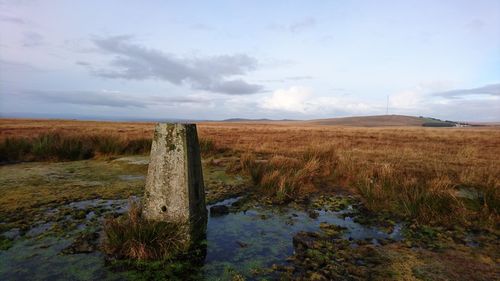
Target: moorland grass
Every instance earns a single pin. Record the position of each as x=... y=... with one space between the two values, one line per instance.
x=413 y=173
x=283 y=178
x=57 y=146
x=132 y=237
x=64 y=146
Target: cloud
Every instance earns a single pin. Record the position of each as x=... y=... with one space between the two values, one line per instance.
x=13 y=66
x=468 y=110
x=409 y=99
x=233 y=87
x=32 y=39
x=418 y=96
x=214 y=74
x=297 y=99
x=489 y=90
x=84 y=63
x=430 y=99
x=295 y=78
x=292 y=99
x=290 y=78
x=10 y=19
x=107 y=98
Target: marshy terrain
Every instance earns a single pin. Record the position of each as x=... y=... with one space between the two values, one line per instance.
x=288 y=200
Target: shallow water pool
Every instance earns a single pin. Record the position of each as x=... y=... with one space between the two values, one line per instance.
x=241 y=241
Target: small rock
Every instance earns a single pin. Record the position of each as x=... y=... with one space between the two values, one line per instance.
x=304 y=240
x=242 y=244
x=237 y=203
x=331 y=229
x=360 y=262
x=313 y=214
x=219 y=210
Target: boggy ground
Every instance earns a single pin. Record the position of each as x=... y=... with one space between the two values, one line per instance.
x=440 y=186
x=52 y=215
x=319 y=234
x=30 y=189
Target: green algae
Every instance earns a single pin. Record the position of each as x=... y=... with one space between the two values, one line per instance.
x=332 y=203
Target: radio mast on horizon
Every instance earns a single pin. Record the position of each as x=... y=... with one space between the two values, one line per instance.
x=387 y=108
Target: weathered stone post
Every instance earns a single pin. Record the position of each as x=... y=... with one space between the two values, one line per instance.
x=174 y=185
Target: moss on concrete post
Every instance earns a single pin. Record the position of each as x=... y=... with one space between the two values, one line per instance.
x=174 y=185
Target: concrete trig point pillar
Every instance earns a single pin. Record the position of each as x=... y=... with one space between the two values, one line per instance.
x=174 y=185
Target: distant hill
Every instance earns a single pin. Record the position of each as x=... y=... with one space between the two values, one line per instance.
x=361 y=121
x=383 y=120
x=254 y=120
x=245 y=120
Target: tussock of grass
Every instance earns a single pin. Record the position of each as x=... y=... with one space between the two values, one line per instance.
x=133 y=237
x=210 y=147
x=426 y=200
x=285 y=177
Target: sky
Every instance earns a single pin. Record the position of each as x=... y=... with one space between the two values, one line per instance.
x=250 y=59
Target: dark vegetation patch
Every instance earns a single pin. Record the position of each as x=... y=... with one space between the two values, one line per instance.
x=438 y=124
x=64 y=146
x=57 y=146
x=325 y=257
x=5 y=243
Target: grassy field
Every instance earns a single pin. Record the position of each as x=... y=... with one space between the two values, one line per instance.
x=431 y=175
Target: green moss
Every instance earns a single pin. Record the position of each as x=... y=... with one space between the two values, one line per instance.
x=157 y=270
x=5 y=243
x=332 y=203
x=331 y=230
x=29 y=188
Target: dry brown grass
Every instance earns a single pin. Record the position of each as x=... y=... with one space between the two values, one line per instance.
x=410 y=171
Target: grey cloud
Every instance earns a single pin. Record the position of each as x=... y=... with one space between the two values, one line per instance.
x=492 y=90
x=135 y=62
x=83 y=63
x=235 y=87
x=13 y=66
x=290 y=78
x=105 y=98
x=10 y=19
x=469 y=110
x=178 y=100
x=32 y=39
